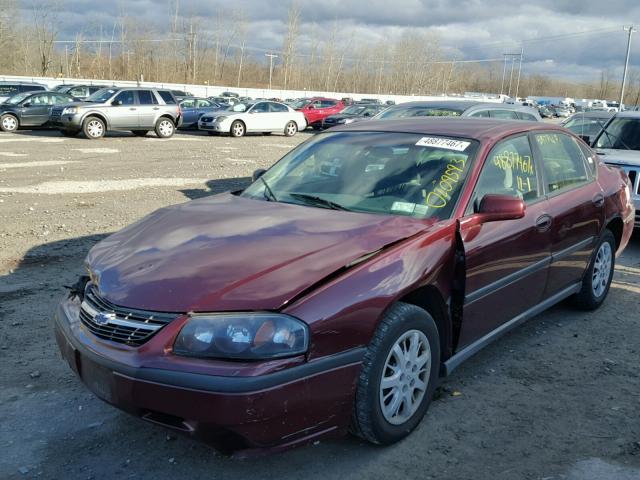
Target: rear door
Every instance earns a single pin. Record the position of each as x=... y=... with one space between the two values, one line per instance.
x=576 y=206
x=123 y=112
x=279 y=116
x=506 y=262
x=148 y=108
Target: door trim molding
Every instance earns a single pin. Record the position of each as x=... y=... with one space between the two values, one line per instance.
x=572 y=249
x=467 y=352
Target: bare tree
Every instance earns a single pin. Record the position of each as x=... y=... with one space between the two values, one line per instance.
x=290 y=42
x=45 y=23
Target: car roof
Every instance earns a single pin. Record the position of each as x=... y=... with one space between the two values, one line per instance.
x=593 y=114
x=475 y=128
x=453 y=104
x=628 y=114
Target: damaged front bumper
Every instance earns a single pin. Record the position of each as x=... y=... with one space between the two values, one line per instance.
x=235 y=413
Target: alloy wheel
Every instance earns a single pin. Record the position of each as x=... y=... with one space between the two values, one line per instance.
x=165 y=128
x=602 y=269
x=405 y=376
x=9 y=123
x=291 y=129
x=95 y=129
x=238 y=129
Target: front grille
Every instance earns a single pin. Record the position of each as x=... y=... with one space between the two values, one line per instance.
x=119 y=324
x=207 y=119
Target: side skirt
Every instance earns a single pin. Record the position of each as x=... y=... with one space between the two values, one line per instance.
x=470 y=350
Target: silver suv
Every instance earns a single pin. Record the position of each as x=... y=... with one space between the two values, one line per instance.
x=136 y=109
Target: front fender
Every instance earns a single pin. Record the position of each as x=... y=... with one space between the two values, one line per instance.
x=344 y=312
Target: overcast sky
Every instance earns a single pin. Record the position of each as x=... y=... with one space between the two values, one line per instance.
x=468 y=29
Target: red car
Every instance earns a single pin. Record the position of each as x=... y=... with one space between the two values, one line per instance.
x=317 y=109
x=336 y=290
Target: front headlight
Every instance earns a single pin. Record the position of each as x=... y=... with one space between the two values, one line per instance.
x=348 y=121
x=70 y=111
x=219 y=119
x=242 y=336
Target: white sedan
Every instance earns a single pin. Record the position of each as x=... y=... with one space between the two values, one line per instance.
x=264 y=117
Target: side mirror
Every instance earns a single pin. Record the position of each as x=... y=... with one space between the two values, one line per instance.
x=494 y=208
x=367 y=114
x=257 y=174
x=116 y=103
x=26 y=104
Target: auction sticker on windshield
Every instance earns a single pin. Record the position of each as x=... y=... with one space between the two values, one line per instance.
x=446 y=143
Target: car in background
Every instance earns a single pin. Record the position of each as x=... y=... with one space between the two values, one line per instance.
x=30 y=109
x=354 y=113
x=336 y=291
x=225 y=100
x=316 y=109
x=230 y=94
x=545 y=111
x=460 y=108
x=8 y=89
x=604 y=106
x=80 y=91
x=618 y=145
x=131 y=108
x=193 y=108
x=259 y=117
x=370 y=100
x=587 y=125
x=560 y=111
x=180 y=95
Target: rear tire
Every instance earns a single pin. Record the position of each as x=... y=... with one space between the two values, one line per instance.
x=140 y=133
x=94 y=128
x=9 y=123
x=399 y=375
x=165 y=128
x=237 y=129
x=290 y=129
x=597 y=279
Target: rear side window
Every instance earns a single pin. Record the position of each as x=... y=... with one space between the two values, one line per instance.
x=9 y=89
x=78 y=92
x=564 y=164
x=504 y=114
x=276 y=107
x=203 y=103
x=59 y=99
x=528 y=116
x=481 y=113
x=31 y=88
x=146 y=97
x=328 y=103
x=167 y=97
x=508 y=170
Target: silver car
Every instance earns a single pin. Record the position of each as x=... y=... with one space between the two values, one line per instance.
x=136 y=109
x=618 y=144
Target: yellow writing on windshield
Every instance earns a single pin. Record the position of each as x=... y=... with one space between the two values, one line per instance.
x=440 y=196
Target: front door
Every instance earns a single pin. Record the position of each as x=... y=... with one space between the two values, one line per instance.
x=36 y=110
x=258 y=118
x=506 y=262
x=123 y=112
x=576 y=206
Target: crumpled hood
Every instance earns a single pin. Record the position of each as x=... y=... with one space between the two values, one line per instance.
x=619 y=157
x=226 y=253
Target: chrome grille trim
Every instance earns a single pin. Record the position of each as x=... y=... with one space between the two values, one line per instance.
x=125 y=325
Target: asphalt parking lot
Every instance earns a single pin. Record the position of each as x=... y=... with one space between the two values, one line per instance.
x=556 y=399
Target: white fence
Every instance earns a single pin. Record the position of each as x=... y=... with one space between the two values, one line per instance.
x=210 y=90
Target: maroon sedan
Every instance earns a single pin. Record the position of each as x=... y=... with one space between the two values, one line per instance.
x=335 y=291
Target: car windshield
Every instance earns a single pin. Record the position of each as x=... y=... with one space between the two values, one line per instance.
x=419 y=111
x=102 y=96
x=376 y=172
x=301 y=104
x=356 y=109
x=620 y=134
x=16 y=99
x=581 y=125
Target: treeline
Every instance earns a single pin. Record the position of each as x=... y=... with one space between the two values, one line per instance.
x=218 y=51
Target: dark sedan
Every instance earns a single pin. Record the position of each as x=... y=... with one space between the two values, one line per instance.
x=30 y=109
x=587 y=125
x=335 y=292
x=351 y=114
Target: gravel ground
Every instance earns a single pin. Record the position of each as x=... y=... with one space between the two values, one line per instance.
x=556 y=399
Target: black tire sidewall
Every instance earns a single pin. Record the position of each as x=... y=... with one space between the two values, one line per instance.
x=415 y=319
x=586 y=298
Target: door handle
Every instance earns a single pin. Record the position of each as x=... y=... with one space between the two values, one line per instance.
x=132 y=108
x=543 y=222
x=598 y=200
x=156 y=108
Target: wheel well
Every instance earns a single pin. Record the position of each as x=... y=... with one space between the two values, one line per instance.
x=97 y=115
x=430 y=299
x=11 y=114
x=616 y=226
x=166 y=115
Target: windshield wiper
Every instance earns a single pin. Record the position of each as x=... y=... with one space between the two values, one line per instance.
x=319 y=201
x=269 y=195
x=608 y=134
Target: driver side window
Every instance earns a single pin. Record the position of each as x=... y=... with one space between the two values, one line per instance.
x=125 y=97
x=508 y=170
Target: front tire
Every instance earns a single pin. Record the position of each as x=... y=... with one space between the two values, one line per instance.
x=237 y=129
x=398 y=377
x=9 y=123
x=291 y=129
x=165 y=128
x=597 y=279
x=94 y=128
